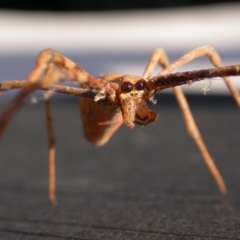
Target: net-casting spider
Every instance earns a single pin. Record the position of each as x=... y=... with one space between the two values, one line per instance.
x=112 y=99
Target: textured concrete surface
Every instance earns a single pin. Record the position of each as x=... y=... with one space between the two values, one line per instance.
x=146 y=183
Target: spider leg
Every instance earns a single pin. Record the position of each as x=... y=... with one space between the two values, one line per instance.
x=51 y=68
x=188 y=117
x=51 y=154
x=45 y=75
x=30 y=87
x=72 y=72
x=51 y=146
x=158 y=57
x=48 y=59
x=214 y=58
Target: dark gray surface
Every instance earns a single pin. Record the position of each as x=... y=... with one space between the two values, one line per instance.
x=146 y=183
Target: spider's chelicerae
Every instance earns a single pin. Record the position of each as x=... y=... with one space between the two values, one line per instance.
x=112 y=99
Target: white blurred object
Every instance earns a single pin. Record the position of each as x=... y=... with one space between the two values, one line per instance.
x=217 y=25
x=127 y=32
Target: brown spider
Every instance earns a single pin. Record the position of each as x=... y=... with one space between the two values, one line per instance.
x=112 y=99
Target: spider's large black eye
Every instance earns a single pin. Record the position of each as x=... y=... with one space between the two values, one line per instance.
x=140 y=85
x=127 y=87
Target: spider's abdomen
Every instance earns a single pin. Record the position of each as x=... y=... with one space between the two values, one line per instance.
x=100 y=121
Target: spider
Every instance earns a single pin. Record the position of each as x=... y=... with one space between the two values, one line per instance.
x=112 y=99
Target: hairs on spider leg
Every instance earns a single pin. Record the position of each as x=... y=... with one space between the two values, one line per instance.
x=205 y=85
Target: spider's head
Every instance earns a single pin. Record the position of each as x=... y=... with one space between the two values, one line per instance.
x=133 y=87
x=132 y=94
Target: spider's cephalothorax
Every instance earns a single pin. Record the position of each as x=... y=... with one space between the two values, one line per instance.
x=132 y=95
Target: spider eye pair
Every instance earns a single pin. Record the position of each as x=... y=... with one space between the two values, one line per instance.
x=128 y=87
